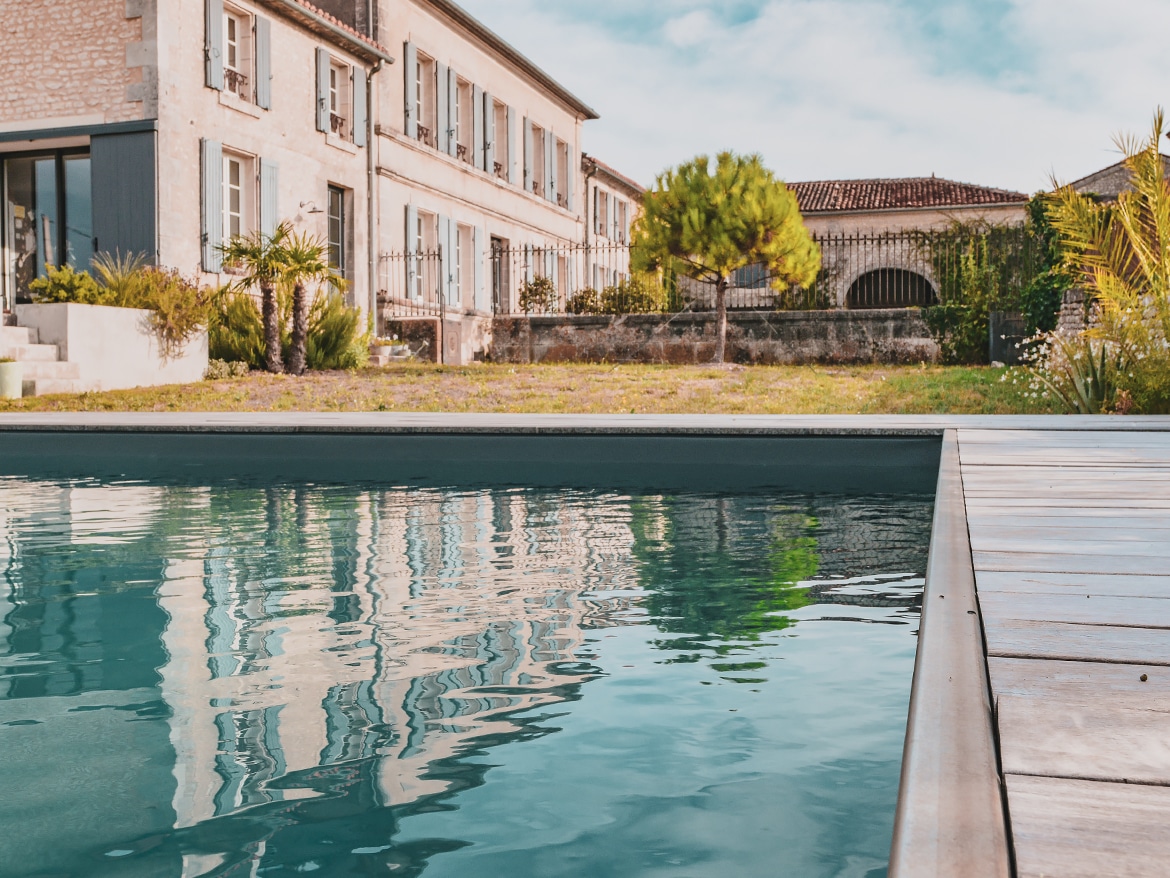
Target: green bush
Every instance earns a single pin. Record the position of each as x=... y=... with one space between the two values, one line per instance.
x=236 y=332
x=586 y=301
x=634 y=295
x=217 y=370
x=539 y=295
x=63 y=284
x=335 y=338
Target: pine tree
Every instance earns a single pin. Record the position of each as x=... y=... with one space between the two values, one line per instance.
x=709 y=225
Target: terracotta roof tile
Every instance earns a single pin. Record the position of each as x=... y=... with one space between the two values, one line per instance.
x=314 y=10
x=826 y=196
x=632 y=185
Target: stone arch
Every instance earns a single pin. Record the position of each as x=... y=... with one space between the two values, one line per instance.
x=890 y=287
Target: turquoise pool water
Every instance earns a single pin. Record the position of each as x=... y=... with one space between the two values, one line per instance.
x=283 y=679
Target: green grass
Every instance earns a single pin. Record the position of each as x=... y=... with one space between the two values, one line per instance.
x=594 y=389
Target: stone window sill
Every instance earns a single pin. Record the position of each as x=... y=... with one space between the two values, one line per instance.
x=235 y=102
x=338 y=142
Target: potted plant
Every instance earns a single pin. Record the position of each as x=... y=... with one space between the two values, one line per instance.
x=11 y=378
x=383 y=347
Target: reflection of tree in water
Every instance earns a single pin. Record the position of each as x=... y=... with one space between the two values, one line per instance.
x=715 y=588
x=710 y=579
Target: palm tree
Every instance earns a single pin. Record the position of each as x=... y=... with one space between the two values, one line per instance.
x=306 y=259
x=263 y=260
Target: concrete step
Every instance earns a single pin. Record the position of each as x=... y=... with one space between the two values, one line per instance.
x=16 y=335
x=24 y=353
x=44 y=386
x=43 y=369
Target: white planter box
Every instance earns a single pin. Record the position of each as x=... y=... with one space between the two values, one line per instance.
x=114 y=348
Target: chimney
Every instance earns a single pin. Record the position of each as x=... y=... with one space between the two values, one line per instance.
x=355 y=13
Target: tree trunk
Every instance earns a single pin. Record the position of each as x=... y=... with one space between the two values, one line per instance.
x=300 y=329
x=272 y=358
x=721 y=319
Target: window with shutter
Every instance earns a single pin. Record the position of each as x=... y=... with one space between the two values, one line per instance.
x=263 y=63
x=412 y=90
x=213 y=43
x=211 y=204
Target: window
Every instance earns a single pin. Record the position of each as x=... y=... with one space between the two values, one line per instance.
x=539 y=173
x=425 y=88
x=620 y=220
x=565 y=180
x=500 y=148
x=601 y=220
x=337 y=230
x=462 y=115
x=47 y=219
x=238 y=196
x=237 y=56
x=340 y=105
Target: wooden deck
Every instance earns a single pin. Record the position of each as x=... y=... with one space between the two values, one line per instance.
x=1070 y=538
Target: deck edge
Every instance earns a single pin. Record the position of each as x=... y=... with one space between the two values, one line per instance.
x=950 y=820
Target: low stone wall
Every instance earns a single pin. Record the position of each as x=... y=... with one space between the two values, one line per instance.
x=757 y=337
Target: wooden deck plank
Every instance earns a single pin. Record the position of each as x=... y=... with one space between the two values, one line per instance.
x=1055 y=562
x=1073 y=517
x=1080 y=829
x=1098 y=740
x=983 y=505
x=1082 y=584
x=1066 y=641
x=1115 y=684
x=1117 y=612
x=1004 y=544
x=1070 y=529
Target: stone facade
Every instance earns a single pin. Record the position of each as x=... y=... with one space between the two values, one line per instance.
x=67 y=63
x=758 y=338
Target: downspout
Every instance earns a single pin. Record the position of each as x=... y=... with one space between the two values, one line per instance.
x=371 y=194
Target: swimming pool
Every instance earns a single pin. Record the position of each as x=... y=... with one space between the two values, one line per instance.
x=252 y=675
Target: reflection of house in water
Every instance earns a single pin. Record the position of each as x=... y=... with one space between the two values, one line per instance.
x=324 y=656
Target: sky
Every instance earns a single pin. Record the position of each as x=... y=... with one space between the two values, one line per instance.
x=1004 y=93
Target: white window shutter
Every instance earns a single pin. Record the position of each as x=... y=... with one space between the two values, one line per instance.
x=452 y=103
x=550 y=152
x=323 y=90
x=596 y=211
x=571 y=183
x=446 y=259
x=211 y=204
x=443 y=123
x=529 y=268
x=263 y=63
x=359 y=106
x=489 y=134
x=477 y=127
x=269 y=196
x=529 y=182
x=410 y=77
x=413 y=245
x=213 y=43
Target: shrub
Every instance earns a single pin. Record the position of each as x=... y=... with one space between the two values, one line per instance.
x=63 y=284
x=179 y=307
x=539 y=295
x=586 y=301
x=335 y=339
x=220 y=369
x=236 y=332
x=634 y=295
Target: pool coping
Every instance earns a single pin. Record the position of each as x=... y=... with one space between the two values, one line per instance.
x=951 y=818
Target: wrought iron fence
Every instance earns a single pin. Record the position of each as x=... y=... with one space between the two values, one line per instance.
x=863 y=271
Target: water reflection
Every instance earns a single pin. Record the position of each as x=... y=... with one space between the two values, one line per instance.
x=264 y=677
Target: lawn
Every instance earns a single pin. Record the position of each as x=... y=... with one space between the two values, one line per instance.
x=596 y=389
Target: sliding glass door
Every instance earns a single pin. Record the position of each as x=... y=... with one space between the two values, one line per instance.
x=48 y=218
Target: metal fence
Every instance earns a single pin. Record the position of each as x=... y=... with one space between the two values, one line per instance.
x=865 y=271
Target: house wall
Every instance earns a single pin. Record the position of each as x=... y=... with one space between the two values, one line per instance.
x=430 y=181
x=308 y=161
x=73 y=63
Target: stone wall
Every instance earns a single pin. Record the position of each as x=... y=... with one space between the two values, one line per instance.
x=758 y=337
x=68 y=62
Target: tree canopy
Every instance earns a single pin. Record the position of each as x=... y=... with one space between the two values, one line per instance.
x=708 y=223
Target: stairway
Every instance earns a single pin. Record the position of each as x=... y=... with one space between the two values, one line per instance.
x=44 y=372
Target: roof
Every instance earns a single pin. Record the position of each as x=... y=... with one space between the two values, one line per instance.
x=331 y=28
x=633 y=188
x=1110 y=182
x=510 y=54
x=828 y=196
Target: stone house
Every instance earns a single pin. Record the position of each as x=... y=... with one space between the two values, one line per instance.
x=865 y=229
x=612 y=202
x=383 y=127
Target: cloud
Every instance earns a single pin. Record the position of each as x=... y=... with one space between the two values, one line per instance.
x=1000 y=92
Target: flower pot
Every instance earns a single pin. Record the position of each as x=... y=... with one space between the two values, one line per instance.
x=380 y=350
x=11 y=380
